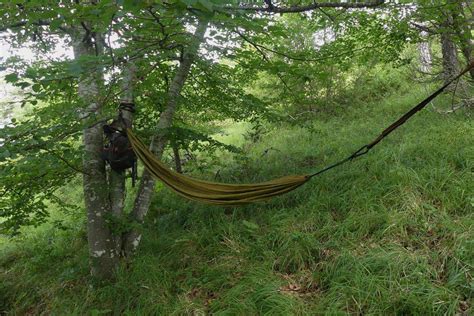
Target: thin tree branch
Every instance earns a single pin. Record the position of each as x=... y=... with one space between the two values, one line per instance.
x=265 y=57
x=270 y=8
x=423 y=28
x=67 y=163
x=24 y=23
x=327 y=15
x=259 y=46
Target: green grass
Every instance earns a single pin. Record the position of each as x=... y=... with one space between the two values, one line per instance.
x=391 y=233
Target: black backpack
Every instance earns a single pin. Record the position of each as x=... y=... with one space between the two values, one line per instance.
x=118 y=151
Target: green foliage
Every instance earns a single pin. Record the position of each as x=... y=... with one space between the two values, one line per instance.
x=38 y=156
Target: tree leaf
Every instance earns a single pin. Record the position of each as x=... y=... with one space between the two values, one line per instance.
x=11 y=78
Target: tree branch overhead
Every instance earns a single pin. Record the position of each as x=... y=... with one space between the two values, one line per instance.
x=272 y=8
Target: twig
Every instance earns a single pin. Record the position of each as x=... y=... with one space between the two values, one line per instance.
x=65 y=161
x=245 y=38
x=264 y=56
x=454 y=93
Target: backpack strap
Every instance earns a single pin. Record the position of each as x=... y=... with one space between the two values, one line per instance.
x=125 y=106
x=134 y=173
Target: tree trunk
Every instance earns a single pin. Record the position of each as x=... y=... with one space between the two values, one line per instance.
x=117 y=179
x=450 y=55
x=101 y=251
x=177 y=159
x=463 y=31
x=157 y=146
x=425 y=53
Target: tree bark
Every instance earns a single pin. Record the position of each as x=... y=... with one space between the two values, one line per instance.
x=117 y=190
x=101 y=251
x=450 y=55
x=157 y=146
x=463 y=31
x=177 y=159
x=424 y=49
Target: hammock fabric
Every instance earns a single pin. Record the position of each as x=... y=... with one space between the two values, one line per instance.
x=236 y=194
x=211 y=192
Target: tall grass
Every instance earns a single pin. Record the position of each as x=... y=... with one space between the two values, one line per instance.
x=390 y=233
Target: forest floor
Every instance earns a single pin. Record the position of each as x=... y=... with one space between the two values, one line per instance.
x=390 y=233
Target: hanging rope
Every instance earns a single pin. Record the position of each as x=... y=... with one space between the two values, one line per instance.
x=235 y=194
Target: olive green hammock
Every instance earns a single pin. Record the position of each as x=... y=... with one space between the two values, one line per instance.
x=236 y=194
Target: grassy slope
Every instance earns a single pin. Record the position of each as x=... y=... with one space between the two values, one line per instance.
x=391 y=233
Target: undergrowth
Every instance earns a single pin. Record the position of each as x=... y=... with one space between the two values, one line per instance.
x=390 y=233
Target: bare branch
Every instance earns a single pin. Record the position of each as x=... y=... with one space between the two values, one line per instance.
x=271 y=8
x=424 y=28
